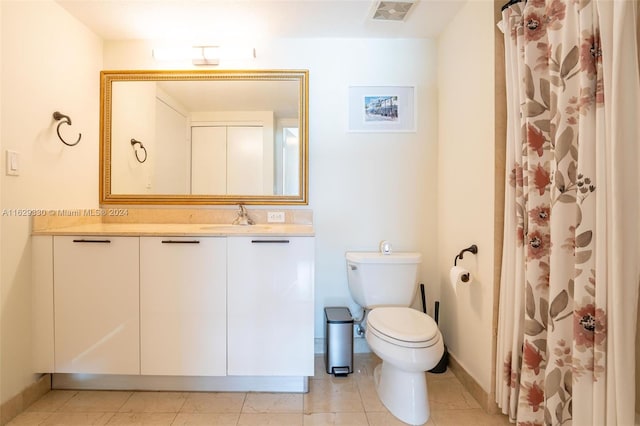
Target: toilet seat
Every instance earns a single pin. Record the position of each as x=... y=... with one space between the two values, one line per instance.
x=403 y=326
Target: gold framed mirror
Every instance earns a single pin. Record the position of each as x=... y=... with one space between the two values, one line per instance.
x=204 y=137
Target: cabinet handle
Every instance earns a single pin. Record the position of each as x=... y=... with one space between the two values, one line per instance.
x=92 y=241
x=180 y=242
x=270 y=241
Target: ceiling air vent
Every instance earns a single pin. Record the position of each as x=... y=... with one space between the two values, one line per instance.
x=392 y=10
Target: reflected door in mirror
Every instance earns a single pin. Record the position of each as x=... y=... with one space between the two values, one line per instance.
x=172 y=158
x=230 y=160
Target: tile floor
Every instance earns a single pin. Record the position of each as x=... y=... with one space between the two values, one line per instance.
x=348 y=400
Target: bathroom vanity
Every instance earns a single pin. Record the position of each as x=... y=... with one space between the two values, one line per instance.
x=180 y=306
x=179 y=298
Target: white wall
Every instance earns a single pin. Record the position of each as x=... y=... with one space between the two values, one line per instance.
x=364 y=187
x=466 y=184
x=1 y=235
x=51 y=63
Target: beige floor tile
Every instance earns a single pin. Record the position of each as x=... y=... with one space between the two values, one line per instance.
x=387 y=419
x=469 y=399
x=342 y=419
x=369 y=395
x=205 y=419
x=77 y=419
x=272 y=403
x=29 y=418
x=270 y=419
x=213 y=402
x=332 y=396
x=52 y=400
x=364 y=364
x=154 y=402
x=140 y=419
x=96 y=401
x=475 y=417
x=448 y=374
x=319 y=369
x=350 y=400
x=449 y=394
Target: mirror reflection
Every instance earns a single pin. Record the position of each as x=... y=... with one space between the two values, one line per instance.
x=204 y=137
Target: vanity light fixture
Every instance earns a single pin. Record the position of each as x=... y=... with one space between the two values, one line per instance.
x=168 y=54
x=205 y=55
x=198 y=55
x=202 y=54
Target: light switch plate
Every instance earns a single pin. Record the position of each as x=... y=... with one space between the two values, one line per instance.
x=13 y=163
x=275 y=217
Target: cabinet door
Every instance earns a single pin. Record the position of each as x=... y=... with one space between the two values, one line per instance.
x=96 y=295
x=183 y=306
x=270 y=306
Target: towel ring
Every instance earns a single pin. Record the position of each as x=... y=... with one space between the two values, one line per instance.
x=64 y=119
x=135 y=151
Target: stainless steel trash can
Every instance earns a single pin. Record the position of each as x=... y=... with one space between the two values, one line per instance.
x=338 y=354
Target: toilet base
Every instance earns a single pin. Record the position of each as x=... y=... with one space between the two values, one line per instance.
x=403 y=393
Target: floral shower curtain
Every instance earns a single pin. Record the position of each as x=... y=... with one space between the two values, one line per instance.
x=570 y=276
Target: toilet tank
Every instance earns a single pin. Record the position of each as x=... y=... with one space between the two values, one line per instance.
x=377 y=279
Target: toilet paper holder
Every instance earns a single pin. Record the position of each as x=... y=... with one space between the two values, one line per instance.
x=471 y=249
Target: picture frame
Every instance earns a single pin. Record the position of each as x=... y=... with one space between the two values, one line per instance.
x=382 y=109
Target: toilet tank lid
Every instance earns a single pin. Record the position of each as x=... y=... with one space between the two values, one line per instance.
x=377 y=257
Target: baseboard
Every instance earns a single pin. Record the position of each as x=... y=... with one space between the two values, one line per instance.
x=293 y=384
x=485 y=399
x=20 y=402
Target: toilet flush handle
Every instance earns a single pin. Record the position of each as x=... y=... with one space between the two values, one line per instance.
x=353 y=267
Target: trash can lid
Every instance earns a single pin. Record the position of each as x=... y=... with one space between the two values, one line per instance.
x=338 y=315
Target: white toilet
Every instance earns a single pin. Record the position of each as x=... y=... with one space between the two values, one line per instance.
x=408 y=341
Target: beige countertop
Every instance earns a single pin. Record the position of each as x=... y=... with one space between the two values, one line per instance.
x=171 y=223
x=181 y=230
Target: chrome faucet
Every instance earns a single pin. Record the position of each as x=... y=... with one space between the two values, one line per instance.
x=243 y=217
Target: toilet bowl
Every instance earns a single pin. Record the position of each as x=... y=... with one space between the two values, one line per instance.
x=409 y=343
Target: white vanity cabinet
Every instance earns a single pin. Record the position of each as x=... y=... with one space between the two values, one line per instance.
x=182 y=310
x=96 y=298
x=270 y=306
x=183 y=306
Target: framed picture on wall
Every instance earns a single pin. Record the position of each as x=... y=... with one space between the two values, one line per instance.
x=382 y=109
